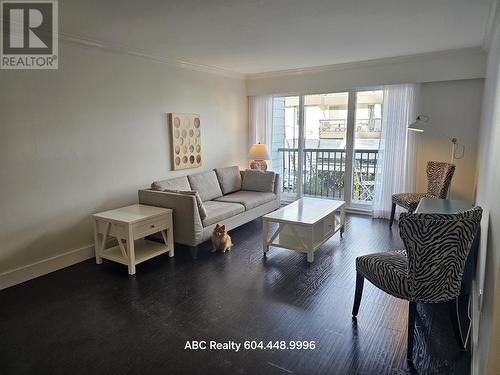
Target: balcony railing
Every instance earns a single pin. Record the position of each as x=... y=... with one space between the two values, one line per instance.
x=324 y=171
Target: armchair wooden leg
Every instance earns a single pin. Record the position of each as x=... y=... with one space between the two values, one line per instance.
x=412 y=311
x=359 y=292
x=393 y=212
x=193 y=250
x=455 y=321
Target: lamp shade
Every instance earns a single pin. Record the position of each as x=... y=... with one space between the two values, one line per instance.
x=419 y=124
x=258 y=151
x=416 y=127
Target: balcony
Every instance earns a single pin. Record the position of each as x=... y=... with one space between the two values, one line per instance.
x=324 y=171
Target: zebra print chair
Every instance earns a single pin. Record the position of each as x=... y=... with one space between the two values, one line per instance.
x=429 y=270
x=439 y=175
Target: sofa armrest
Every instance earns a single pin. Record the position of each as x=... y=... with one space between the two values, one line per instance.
x=187 y=223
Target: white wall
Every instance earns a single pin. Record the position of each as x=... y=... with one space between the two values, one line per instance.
x=454 y=110
x=86 y=137
x=486 y=359
x=439 y=66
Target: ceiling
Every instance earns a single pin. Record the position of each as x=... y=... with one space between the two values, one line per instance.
x=253 y=36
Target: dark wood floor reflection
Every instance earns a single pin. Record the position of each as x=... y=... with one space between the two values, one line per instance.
x=89 y=319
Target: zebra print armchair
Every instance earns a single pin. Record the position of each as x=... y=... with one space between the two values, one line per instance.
x=429 y=270
x=439 y=175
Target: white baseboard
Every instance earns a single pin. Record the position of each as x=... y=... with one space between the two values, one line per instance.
x=43 y=267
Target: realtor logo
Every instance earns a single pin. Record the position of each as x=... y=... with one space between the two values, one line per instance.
x=29 y=34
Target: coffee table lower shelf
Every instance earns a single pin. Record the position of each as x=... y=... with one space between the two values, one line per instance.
x=290 y=242
x=304 y=225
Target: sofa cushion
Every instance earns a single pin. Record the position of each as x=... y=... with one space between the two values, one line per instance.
x=206 y=184
x=199 y=202
x=258 y=181
x=229 y=179
x=249 y=199
x=179 y=183
x=218 y=211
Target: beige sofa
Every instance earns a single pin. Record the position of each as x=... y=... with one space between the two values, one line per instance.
x=230 y=197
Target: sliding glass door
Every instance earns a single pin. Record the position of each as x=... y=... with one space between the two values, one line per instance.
x=326 y=145
x=325 y=140
x=367 y=129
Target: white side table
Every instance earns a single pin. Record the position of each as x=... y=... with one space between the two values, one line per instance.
x=129 y=225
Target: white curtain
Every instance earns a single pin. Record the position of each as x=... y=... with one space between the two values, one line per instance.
x=260 y=121
x=396 y=159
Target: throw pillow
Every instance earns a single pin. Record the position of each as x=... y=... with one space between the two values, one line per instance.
x=258 y=181
x=199 y=202
x=178 y=183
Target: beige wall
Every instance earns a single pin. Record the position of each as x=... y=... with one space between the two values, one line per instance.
x=454 y=110
x=85 y=137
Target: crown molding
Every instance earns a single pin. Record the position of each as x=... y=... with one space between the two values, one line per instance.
x=369 y=63
x=115 y=48
x=491 y=24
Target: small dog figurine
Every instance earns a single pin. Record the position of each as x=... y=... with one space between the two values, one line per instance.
x=220 y=239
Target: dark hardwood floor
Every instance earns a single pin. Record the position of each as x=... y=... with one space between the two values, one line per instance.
x=90 y=319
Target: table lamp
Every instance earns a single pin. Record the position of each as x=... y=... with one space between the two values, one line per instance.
x=258 y=154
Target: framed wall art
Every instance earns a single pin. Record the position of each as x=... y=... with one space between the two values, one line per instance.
x=185 y=132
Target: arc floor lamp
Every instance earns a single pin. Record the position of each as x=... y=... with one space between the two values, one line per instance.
x=421 y=123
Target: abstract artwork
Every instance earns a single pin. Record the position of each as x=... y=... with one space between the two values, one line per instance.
x=186 y=140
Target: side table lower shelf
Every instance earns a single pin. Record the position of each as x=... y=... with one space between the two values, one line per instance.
x=144 y=250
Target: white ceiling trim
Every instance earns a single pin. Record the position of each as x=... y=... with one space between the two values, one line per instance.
x=369 y=63
x=110 y=47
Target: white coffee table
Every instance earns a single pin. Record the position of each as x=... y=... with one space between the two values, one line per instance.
x=304 y=225
x=129 y=225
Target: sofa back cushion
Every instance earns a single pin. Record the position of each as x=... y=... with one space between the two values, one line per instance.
x=206 y=184
x=179 y=183
x=229 y=179
x=258 y=181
